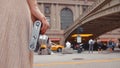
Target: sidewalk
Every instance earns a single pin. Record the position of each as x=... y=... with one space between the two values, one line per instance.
x=116 y=50
x=84 y=54
x=78 y=60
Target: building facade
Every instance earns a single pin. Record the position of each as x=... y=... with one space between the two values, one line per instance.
x=61 y=14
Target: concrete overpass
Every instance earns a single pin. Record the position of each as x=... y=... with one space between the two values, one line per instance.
x=101 y=17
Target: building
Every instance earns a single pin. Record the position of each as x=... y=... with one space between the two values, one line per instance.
x=60 y=14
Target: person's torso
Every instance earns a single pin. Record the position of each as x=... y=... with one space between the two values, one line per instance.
x=12 y=5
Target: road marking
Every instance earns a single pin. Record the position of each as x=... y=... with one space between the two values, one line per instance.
x=80 y=62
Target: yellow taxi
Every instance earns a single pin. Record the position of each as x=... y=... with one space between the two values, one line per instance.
x=54 y=47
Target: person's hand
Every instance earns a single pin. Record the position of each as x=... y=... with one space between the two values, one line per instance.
x=45 y=25
x=37 y=15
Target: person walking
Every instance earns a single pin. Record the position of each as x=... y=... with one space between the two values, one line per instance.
x=91 y=45
x=110 y=45
x=68 y=44
x=16 y=22
x=99 y=46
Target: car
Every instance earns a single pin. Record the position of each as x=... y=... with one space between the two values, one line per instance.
x=56 y=47
x=53 y=47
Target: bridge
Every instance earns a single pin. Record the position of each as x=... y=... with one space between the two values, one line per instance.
x=101 y=17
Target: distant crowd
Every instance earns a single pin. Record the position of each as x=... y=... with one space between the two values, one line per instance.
x=96 y=45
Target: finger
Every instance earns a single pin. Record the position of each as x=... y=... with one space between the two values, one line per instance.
x=44 y=28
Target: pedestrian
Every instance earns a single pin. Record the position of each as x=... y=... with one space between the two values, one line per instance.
x=68 y=44
x=99 y=46
x=114 y=45
x=15 y=32
x=91 y=45
x=110 y=45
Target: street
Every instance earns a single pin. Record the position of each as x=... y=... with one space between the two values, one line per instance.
x=81 y=60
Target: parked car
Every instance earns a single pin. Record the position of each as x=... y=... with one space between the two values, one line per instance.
x=54 y=47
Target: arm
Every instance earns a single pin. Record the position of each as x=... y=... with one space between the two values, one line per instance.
x=38 y=15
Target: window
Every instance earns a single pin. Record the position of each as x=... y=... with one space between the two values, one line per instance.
x=48 y=18
x=47 y=11
x=47 y=8
x=66 y=18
